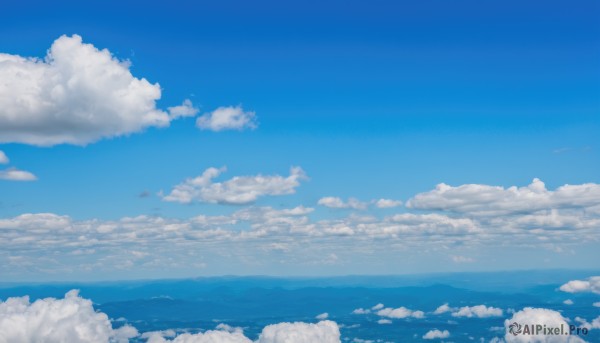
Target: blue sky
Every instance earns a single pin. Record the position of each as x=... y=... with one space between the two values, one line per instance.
x=373 y=101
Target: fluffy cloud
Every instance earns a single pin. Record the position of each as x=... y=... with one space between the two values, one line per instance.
x=538 y=316
x=399 y=313
x=238 y=190
x=442 y=309
x=186 y=109
x=210 y=336
x=322 y=316
x=322 y=332
x=77 y=94
x=387 y=203
x=433 y=334
x=377 y=307
x=577 y=286
x=335 y=202
x=13 y=174
x=487 y=200
x=227 y=118
x=568 y=302
x=479 y=311
x=595 y=324
x=72 y=319
x=384 y=321
x=361 y=311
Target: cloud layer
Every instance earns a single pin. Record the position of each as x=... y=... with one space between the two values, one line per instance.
x=298 y=235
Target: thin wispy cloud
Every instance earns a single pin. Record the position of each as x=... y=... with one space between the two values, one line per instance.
x=14 y=174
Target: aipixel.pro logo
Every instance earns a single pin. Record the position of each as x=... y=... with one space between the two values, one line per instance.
x=543 y=329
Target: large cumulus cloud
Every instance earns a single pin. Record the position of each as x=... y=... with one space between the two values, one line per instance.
x=77 y=94
x=539 y=316
x=49 y=320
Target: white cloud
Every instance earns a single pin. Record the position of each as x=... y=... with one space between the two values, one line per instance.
x=13 y=174
x=568 y=302
x=162 y=333
x=3 y=158
x=322 y=316
x=479 y=311
x=384 y=321
x=484 y=200
x=377 y=307
x=335 y=202
x=433 y=334
x=322 y=332
x=361 y=311
x=595 y=324
x=238 y=190
x=78 y=94
x=538 y=316
x=461 y=259
x=289 y=233
x=399 y=313
x=186 y=109
x=227 y=118
x=442 y=309
x=596 y=304
x=577 y=286
x=72 y=319
x=387 y=203
x=210 y=336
